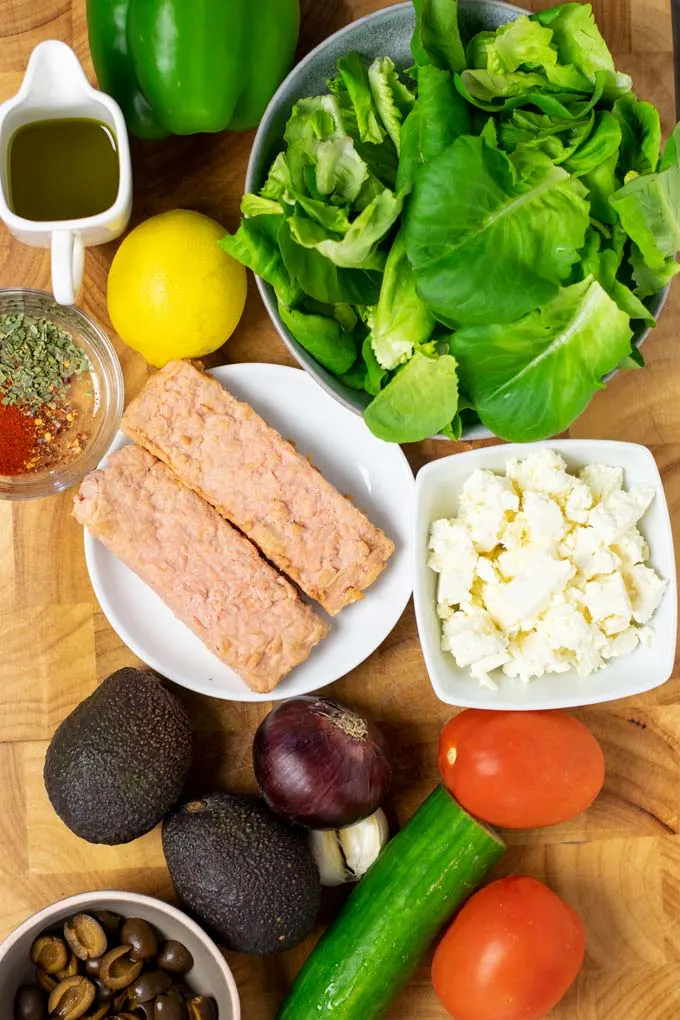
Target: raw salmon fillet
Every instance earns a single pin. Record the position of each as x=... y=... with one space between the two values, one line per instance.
x=226 y=453
x=206 y=572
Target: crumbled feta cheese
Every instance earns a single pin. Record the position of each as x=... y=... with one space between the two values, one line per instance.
x=646 y=590
x=520 y=601
x=579 y=502
x=542 y=571
x=545 y=521
x=602 y=480
x=608 y=603
x=619 y=511
x=454 y=557
x=631 y=548
x=470 y=636
x=484 y=506
x=543 y=471
x=590 y=556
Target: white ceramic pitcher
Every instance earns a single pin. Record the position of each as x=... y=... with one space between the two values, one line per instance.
x=55 y=87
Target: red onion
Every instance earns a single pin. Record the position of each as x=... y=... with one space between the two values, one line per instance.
x=319 y=764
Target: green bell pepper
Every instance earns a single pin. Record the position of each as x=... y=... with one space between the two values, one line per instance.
x=188 y=66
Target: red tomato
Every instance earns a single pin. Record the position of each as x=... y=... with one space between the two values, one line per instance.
x=511 y=953
x=521 y=770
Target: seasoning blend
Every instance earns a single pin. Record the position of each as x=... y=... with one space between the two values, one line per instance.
x=46 y=395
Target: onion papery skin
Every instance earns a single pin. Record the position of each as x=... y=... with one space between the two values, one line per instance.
x=319 y=764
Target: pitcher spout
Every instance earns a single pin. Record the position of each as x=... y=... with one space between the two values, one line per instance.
x=53 y=77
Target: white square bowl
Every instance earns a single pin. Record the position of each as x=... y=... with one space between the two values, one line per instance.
x=438 y=487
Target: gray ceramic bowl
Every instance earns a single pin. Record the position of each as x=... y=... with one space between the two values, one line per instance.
x=210 y=974
x=385 y=33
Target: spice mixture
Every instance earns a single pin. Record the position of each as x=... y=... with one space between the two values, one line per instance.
x=45 y=392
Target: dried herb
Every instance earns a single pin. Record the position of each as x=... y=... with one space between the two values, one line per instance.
x=37 y=360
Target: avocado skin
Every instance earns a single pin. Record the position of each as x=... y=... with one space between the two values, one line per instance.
x=246 y=875
x=118 y=762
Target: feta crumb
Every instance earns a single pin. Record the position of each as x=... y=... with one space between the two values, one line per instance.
x=484 y=507
x=619 y=511
x=602 y=480
x=454 y=557
x=646 y=590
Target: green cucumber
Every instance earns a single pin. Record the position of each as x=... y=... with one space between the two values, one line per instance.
x=418 y=881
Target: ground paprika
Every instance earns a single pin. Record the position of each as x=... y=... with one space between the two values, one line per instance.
x=17 y=440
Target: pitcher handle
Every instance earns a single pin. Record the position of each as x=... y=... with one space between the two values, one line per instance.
x=68 y=264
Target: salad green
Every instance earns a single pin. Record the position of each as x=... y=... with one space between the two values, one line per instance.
x=474 y=238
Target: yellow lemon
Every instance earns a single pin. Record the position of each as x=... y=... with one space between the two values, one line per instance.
x=172 y=291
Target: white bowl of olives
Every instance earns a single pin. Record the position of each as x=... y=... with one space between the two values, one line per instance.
x=115 y=955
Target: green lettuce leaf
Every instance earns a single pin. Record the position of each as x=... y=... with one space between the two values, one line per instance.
x=358 y=248
x=256 y=205
x=640 y=135
x=531 y=379
x=436 y=39
x=649 y=210
x=602 y=143
x=322 y=279
x=557 y=138
x=580 y=43
x=512 y=46
x=419 y=401
x=375 y=374
x=255 y=245
x=354 y=75
x=278 y=179
x=392 y=98
x=439 y=116
x=401 y=320
x=650 y=281
x=489 y=240
x=324 y=338
x=603 y=263
x=602 y=183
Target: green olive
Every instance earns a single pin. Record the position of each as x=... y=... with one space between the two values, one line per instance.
x=117 y=970
x=148 y=986
x=169 y=1006
x=91 y=967
x=45 y=981
x=70 y=969
x=175 y=957
x=141 y=938
x=50 y=953
x=72 y=998
x=97 y=1012
x=30 y=1003
x=104 y=994
x=200 y=1007
x=109 y=921
x=85 y=936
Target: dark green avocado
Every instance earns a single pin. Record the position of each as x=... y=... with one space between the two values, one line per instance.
x=246 y=875
x=118 y=762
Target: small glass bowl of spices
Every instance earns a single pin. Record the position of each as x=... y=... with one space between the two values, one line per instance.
x=61 y=395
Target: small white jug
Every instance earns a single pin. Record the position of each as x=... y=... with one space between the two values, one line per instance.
x=55 y=87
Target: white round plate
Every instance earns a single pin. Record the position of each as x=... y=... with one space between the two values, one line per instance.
x=376 y=475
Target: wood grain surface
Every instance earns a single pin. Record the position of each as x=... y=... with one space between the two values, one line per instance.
x=619 y=865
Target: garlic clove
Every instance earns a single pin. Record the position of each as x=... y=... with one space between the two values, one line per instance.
x=344 y=855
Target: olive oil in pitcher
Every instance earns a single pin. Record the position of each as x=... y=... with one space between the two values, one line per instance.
x=62 y=169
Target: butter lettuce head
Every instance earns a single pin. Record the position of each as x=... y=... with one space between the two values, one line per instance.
x=490 y=239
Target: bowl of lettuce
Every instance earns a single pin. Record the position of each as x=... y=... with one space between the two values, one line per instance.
x=462 y=219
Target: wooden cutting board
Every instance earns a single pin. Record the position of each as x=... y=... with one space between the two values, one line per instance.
x=619 y=866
